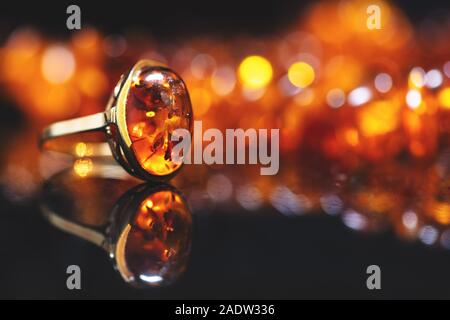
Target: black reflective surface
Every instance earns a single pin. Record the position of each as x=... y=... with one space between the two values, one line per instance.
x=234 y=254
x=146 y=232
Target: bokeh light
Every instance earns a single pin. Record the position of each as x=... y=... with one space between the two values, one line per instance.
x=413 y=99
x=444 y=98
x=223 y=80
x=255 y=72
x=417 y=77
x=335 y=98
x=58 y=64
x=359 y=96
x=383 y=82
x=301 y=74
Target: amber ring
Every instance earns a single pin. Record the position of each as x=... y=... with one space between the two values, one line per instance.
x=146 y=106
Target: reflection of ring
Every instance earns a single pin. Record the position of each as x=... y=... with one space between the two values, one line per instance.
x=146 y=106
x=147 y=233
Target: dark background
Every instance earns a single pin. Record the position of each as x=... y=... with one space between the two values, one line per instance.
x=182 y=18
x=234 y=255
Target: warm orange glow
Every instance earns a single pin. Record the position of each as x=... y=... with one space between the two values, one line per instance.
x=417 y=148
x=413 y=122
x=83 y=167
x=442 y=213
x=352 y=137
x=444 y=98
x=378 y=118
x=54 y=101
x=344 y=72
x=92 y=82
x=201 y=101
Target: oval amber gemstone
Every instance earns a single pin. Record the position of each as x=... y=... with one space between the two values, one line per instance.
x=157 y=104
x=158 y=242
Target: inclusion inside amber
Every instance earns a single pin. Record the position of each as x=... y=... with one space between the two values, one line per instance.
x=158 y=240
x=156 y=105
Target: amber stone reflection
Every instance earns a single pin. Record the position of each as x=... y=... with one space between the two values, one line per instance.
x=157 y=104
x=158 y=239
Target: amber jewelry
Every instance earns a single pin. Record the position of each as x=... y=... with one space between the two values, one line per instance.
x=146 y=106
